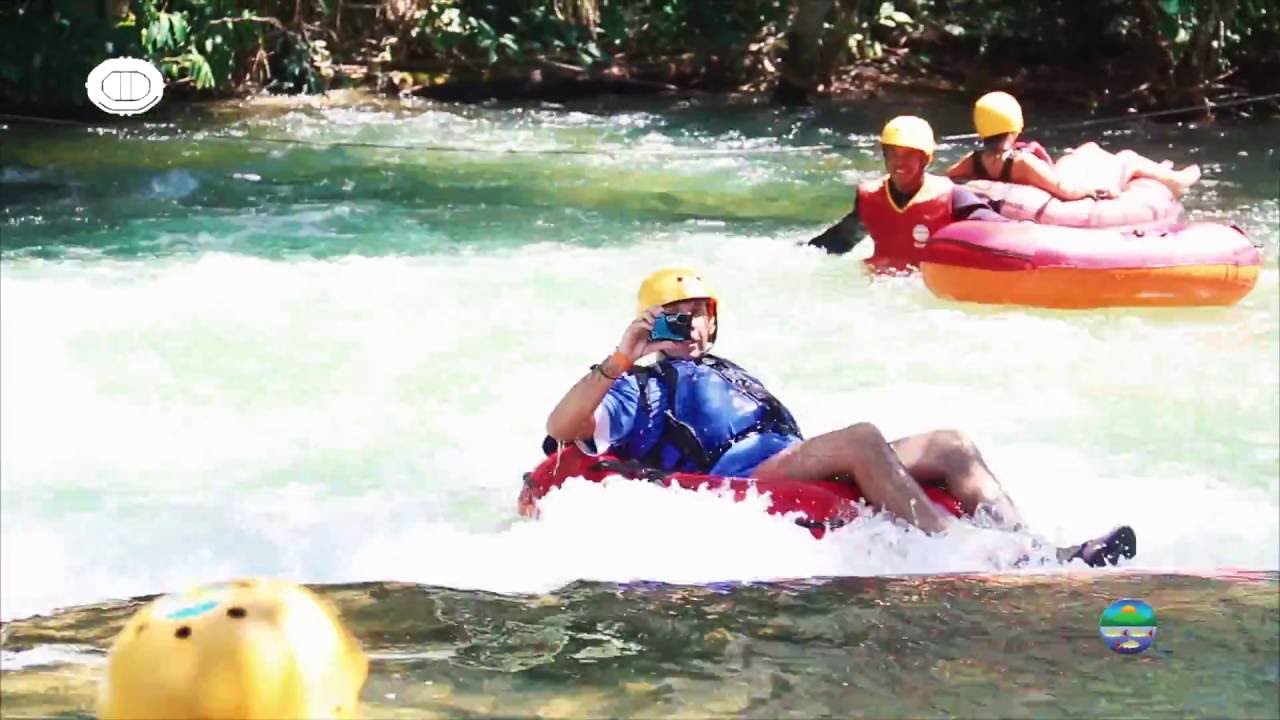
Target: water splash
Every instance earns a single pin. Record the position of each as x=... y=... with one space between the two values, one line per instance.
x=257 y=378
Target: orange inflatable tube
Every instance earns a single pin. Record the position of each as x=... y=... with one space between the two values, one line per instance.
x=1023 y=263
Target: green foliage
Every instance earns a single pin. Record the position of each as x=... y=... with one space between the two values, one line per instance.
x=495 y=31
x=221 y=47
x=48 y=49
x=1243 y=31
x=1045 y=32
x=720 y=29
x=1178 y=50
x=1177 y=19
x=488 y=32
x=167 y=39
x=210 y=46
x=868 y=25
x=298 y=65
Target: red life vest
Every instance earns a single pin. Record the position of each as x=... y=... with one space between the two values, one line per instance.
x=900 y=234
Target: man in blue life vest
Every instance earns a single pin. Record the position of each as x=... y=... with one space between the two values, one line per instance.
x=903 y=209
x=691 y=411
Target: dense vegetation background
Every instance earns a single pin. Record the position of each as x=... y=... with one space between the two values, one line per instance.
x=1142 y=54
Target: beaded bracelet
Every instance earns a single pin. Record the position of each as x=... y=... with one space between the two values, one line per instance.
x=619 y=359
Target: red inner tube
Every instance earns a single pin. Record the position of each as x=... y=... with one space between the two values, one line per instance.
x=821 y=505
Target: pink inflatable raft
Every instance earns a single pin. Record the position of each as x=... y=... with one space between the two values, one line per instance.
x=1056 y=266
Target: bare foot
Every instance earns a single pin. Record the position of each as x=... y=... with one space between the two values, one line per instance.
x=1189 y=175
x=1179 y=182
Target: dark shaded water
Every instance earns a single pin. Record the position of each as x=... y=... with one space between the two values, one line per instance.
x=913 y=647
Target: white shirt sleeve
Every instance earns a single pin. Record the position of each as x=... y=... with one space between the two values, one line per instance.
x=602 y=434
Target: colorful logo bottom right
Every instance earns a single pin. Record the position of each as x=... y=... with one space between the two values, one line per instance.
x=1128 y=626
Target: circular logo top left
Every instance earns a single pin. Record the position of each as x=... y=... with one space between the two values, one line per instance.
x=125 y=86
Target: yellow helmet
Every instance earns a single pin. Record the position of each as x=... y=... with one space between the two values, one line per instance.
x=911 y=132
x=244 y=649
x=997 y=113
x=670 y=285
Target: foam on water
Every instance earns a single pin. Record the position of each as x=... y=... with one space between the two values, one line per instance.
x=50 y=655
x=370 y=418
x=220 y=410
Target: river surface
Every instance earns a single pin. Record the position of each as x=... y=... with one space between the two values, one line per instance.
x=225 y=356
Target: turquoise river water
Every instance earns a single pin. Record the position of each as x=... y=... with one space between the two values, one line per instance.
x=224 y=356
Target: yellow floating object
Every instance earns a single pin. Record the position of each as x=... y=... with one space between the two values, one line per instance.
x=246 y=649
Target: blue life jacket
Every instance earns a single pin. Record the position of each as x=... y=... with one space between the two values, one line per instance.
x=691 y=412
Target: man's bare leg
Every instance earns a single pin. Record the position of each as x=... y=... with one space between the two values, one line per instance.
x=948 y=458
x=862 y=452
x=1089 y=164
x=1178 y=181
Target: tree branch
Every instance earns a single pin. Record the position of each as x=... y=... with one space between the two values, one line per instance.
x=264 y=20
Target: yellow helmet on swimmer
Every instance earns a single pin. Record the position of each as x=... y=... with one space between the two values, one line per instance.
x=243 y=649
x=997 y=113
x=909 y=131
x=670 y=285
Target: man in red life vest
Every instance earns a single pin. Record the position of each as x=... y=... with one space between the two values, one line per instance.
x=902 y=210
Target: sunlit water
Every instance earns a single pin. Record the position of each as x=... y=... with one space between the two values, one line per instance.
x=921 y=646
x=333 y=364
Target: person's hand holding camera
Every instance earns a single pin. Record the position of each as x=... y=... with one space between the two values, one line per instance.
x=640 y=338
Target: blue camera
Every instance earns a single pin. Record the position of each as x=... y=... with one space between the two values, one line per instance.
x=677 y=327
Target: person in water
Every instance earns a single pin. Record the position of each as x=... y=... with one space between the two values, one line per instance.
x=905 y=207
x=1088 y=172
x=687 y=410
